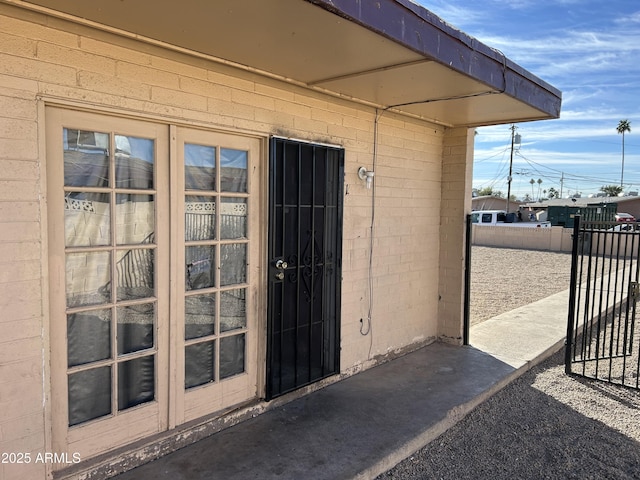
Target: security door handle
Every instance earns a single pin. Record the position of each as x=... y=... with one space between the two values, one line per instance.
x=281 y=264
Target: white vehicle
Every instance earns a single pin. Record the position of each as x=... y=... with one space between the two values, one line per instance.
x=494 y=218
x=625 y=227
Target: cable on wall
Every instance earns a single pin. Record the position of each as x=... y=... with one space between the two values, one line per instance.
x=366 y=325
x=367 y=329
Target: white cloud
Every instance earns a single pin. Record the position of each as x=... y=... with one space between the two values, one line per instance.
x=590 y=51
x=454 y=14
x=634 y=18
x=579 y=48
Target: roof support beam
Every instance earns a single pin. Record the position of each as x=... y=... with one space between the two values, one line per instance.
x=386 y=68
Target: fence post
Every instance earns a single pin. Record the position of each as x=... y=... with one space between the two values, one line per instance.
x=467 y=284
x=572 y=293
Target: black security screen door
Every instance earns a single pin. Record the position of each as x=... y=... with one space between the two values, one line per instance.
x=305 y=231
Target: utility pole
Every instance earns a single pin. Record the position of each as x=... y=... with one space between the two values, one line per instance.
x=515 y=138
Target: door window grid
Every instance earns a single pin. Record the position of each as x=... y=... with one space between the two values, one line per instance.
x=216 y=243
x=107 y=327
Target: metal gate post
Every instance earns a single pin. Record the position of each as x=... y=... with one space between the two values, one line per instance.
x=572 y=294
x=467 y=284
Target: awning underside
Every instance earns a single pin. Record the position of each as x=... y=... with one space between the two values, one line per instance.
x=389 y=54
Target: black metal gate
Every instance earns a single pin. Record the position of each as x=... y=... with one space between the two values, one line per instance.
x=601 y=340
x=305 y=246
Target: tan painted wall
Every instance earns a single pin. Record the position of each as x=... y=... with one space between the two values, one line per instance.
x=415 y=260
x=554 y=239
x=619 y=245
x=456 y=196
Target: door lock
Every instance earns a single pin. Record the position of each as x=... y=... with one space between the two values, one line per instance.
x=280 y=276
x=281 y=264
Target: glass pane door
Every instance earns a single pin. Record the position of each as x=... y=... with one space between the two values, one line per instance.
x=107 y=348
x=155 y=268
x=217 y=248
x=109 y=223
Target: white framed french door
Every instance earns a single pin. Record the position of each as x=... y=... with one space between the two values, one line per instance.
x=154 y=250
x=216 y=224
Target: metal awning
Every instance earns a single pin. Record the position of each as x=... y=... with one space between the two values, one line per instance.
x=386 y=53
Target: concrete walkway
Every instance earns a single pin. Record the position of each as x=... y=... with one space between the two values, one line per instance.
x=362 y=426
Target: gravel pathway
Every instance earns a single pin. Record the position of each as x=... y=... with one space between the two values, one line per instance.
x=545 y=424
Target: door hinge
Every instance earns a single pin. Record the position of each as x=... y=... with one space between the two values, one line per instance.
x=634 y=290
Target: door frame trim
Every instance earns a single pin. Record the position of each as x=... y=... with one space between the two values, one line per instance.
x=306 y=142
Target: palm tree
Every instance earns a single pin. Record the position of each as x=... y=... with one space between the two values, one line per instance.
x=611 y=190
x=532 y=181
x=623 y=126
x=539 y=182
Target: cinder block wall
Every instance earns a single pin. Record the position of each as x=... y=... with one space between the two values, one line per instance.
x=398 y=281
x=22 y=378
x=554 y=239
x=457 y=171
x=400 y=289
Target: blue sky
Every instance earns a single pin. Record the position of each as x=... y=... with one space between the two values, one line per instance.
x=588 y=49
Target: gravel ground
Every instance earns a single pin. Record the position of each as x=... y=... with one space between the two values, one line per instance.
x=545 y=424
x=504 y=278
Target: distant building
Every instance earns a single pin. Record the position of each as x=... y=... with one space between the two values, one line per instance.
x=489 y=202
x=627 y=204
